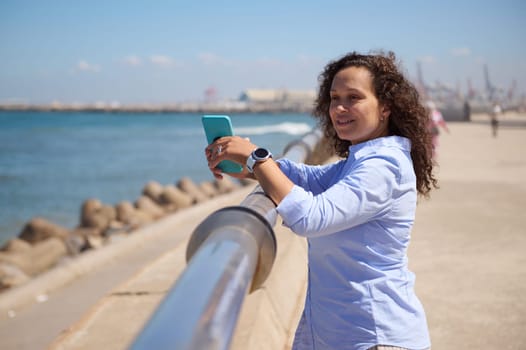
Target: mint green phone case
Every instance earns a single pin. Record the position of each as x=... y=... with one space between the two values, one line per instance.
x=217 y=126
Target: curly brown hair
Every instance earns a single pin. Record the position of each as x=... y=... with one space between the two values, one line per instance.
x=408 y=118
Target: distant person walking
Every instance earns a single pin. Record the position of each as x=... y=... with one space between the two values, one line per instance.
x=436 y=121
x=495 y=115
x=467 y=111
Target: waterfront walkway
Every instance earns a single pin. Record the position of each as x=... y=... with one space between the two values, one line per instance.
x=467 y=252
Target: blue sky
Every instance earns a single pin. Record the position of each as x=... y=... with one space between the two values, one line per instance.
x=172 y=51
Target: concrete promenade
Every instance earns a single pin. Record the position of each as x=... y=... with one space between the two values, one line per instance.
x=67 y=292
x=468 y=253
x=469 y=241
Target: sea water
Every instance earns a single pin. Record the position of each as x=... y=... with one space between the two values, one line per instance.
x=51 y=162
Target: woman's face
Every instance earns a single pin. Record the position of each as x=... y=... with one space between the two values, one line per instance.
x=354 y=109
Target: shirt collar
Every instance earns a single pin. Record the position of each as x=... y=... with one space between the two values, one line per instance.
x=367 y=147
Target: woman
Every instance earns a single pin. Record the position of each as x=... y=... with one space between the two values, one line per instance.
x=357 y=213
x=436 y=121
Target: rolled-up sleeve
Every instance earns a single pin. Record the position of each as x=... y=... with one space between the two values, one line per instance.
x=364 y=193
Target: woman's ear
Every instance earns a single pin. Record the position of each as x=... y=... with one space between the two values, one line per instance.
x=386 y=112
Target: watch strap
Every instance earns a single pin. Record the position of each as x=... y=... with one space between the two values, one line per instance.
x=254 y=158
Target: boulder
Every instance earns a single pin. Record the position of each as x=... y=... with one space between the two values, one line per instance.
x=86 y=231
x=20 y=260
x=130 y=216
x=94 y=242
x=146 y=204
x=208 y=189
x=175 y=197
x=75 y=244
x=186 y=185
x=153 y=190
x=42 y=256
x=97 y=221
x=15 y=245
x=77 y=241
x=96 y=215
x=11 y=276
x=225 y=185
x=39 y=229
x=109 y=212
x=46 y=254
x=117 y=227
x=88 y=209
x=125 y=212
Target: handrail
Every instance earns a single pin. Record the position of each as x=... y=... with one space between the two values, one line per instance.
x=231 y=251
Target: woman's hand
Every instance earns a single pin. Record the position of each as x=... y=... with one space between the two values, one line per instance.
x=233 y=148
x=237 y=149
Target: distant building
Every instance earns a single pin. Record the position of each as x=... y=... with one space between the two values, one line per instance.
x=281 y=99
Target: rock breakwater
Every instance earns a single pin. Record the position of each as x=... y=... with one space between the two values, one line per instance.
x=42 y=244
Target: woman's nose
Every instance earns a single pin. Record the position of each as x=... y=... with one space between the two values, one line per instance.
x=341 y=107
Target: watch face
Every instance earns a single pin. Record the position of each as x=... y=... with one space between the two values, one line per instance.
x=261 y=153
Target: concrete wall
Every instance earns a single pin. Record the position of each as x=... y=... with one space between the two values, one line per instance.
x=268 y=317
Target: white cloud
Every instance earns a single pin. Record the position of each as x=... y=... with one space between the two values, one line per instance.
x=132 y=60
x=306 y=59
x=266 y=62
x=461 y=51
x=211 y=59
x=427 y=59
x=162 y=61
x=83 y=65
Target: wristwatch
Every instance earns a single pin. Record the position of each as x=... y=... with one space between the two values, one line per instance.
x=257 y=156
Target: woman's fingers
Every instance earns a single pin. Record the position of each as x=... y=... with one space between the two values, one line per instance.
x=217 y=173
x=232 y=148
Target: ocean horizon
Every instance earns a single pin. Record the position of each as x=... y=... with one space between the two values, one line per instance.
x=51 y=162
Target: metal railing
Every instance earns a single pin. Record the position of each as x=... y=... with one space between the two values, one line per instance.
x=231 y=252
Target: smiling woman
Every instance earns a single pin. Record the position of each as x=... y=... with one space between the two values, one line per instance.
x=357 y=213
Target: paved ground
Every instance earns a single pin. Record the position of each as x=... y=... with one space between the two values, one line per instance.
x=467 y=250
x=70 y=291
x=469 y=241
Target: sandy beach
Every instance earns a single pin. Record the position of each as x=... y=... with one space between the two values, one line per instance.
x=467 y=252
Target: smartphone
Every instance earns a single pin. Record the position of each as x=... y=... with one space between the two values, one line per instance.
x=217 y=126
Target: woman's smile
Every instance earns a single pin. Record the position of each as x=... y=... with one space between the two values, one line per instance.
x=344 y=121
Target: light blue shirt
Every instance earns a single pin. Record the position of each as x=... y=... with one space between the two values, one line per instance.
x=357 y=215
